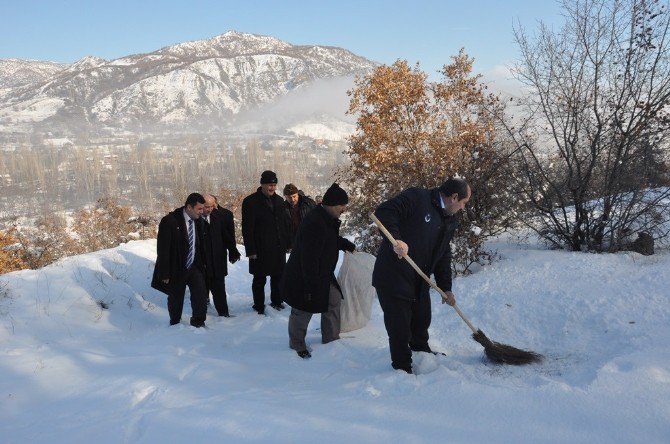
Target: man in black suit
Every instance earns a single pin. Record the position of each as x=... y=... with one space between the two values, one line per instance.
x=220 y=226
x=267 y=238
x=181 y=260
x=423 y=222
x=308 y=284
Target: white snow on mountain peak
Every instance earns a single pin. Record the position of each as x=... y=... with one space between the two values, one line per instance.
x=211 y=79
x=16 y=72
x=87 y=62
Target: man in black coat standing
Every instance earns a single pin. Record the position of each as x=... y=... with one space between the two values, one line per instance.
x=220 y=226
x=266 y=233
x=423 y=223
x=308 y=284
x=181 y=260
x=297 y=206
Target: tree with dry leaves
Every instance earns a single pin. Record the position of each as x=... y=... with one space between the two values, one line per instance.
x=108 y=225
x=416 y=133
x=10 y=252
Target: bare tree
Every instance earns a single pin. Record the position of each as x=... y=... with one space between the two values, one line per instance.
x=598 y=123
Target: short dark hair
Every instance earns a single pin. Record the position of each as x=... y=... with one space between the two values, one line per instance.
x=290 y=189
x=455 y=185
x=193 y=199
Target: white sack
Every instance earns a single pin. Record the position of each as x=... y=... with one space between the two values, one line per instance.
x=355 y=279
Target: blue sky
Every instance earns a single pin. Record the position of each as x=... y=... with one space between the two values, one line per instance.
x=428 y=32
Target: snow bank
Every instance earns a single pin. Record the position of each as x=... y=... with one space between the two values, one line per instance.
x=74 y=371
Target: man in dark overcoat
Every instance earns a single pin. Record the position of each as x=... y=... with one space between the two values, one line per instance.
x=266 y=233
x=181 y=260
x=308 y=284
x=423 y=222
x=220 y=226
x=297 y=206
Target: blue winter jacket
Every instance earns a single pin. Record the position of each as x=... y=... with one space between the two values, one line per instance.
x=416 y=217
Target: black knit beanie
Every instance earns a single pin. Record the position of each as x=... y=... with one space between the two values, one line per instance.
x=268 y=177
x=335 y=196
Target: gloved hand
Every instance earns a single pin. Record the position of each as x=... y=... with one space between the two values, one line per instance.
x=348 y=246
x=234 y=256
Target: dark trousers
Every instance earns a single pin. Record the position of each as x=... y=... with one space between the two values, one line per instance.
x=218 y=289
x=197 y=286
x=407 y=325
x=298 y=322
x=258 y=290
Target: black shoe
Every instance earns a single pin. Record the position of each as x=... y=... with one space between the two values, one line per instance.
x=427 y=349
x=278 y=307
x=224 y=315
x=406 y=369
x=421 y=348
x=304 y=354
x=197 y=323
x=174 y=322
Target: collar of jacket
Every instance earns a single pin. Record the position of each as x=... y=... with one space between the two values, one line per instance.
x=259 y=191
x=436 y=201
x=329 y=219
x=178 y=212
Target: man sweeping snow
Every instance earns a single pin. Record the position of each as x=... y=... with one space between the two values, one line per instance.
x=423 y=223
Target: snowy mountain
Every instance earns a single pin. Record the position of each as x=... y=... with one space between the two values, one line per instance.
x=86 y=354
x=204 y=83
x=15 y=72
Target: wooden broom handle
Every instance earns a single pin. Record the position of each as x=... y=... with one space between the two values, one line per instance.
x=389 y=236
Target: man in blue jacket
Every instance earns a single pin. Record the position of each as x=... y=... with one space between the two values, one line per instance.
x=423 y=223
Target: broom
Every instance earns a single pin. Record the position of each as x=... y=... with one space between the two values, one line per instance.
x=495 y=351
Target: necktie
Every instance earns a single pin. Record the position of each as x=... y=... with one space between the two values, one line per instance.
x=191 y=244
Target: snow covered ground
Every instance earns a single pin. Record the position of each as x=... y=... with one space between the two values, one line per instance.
x=75 y=372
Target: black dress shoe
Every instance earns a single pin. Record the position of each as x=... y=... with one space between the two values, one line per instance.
x=406 y=369
x=174 y=322
x=304 y=354
x=428 y=350
x=278 y=307
x=197 y=324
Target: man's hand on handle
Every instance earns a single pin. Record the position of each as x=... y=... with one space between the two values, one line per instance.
x=450 y=298
x=401 y=249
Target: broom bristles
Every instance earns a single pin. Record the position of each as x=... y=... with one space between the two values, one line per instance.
x=505 y=354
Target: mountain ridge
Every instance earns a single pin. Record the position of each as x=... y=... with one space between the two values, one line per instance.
x=198 y=82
